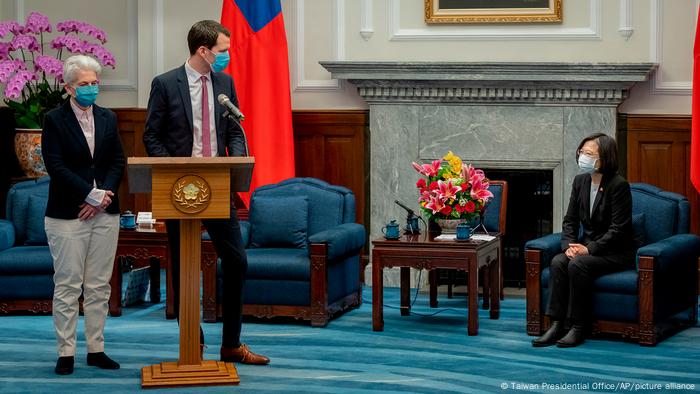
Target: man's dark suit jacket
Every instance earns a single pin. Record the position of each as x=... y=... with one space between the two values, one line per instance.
x=71 y=167
x=169 y=130
x=609 y=229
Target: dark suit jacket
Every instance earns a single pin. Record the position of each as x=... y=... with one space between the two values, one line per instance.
x=70 y=165
x=609 y=229
x=169 y=130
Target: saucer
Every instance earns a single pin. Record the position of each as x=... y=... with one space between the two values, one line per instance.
x=128 y=227
x=463 y=240
x=392 y=238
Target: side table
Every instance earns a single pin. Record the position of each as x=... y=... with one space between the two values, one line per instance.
x=148 y=248
x=422 y=251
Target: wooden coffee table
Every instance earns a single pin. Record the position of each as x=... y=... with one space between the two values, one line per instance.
x=422 y=251
x=148 y=248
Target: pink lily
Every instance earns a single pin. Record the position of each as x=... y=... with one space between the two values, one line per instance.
x=448 y=190
x=436 y=204
x=429 y=170
x=480 y=191
x=425 y=196
x=472 y=174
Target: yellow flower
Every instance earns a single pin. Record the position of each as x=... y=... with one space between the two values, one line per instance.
x=454 y=161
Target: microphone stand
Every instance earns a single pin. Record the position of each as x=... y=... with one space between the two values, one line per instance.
x=229 y=115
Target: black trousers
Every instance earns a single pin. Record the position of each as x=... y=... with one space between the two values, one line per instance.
x=225 y=234
x=571 y=283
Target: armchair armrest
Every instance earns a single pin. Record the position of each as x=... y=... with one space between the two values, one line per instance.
x=674 y=250
x=7 y=234
x=245 y=232
x=550 y=245
x=343 y=240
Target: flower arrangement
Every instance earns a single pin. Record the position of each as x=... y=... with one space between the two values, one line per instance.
x=452 y=189
x=33 y=79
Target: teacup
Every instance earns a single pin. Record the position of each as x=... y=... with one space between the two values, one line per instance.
x=464 y=232
x=391 y=230
x=127 y=220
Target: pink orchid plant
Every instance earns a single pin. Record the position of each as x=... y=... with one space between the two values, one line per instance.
x=452 y=189
x=33 y=79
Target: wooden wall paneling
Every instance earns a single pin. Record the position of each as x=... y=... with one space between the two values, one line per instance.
x=331 y=145
x=131 y=123
x=658 y=152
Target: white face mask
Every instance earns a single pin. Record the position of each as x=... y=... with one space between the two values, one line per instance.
x=586 y=163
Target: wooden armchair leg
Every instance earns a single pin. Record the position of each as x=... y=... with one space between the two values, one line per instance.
x=535 y=316
x=319 y=285
x=647 y=325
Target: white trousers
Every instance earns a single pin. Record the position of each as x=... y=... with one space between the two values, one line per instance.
x=83 y=258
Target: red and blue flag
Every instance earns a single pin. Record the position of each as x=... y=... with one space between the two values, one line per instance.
x=260 y=69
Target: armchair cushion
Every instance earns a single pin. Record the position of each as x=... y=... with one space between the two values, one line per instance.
x=7 y=234
x=26 y=260
x=280 y=222
x=245 y=232
x=278 y=263
x=343 y=240
x=639 y=224
x=664 y=212
x=36 y=211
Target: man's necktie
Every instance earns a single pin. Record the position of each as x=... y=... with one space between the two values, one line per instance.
x=206 y=133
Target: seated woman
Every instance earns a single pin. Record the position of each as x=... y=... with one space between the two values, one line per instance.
x=600 y=204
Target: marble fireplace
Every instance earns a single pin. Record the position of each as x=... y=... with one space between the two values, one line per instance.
x=494 y=115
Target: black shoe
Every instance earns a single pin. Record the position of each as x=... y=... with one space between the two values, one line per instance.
x=556 y=331
x=101 y=360
x=573 y=338
x=64 y=365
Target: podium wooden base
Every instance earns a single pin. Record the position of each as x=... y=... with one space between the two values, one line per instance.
x=208 y=373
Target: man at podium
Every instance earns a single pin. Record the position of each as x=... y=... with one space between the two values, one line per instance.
x=184 y=120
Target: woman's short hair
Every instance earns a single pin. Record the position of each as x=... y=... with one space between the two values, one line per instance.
x=79 y=62
x=607 y=152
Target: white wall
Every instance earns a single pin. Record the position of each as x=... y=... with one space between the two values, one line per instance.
x=149 y=37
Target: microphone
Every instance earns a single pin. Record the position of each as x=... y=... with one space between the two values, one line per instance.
x=411 y=219
x=409 y=210
x=236 y=115
x=232 y=109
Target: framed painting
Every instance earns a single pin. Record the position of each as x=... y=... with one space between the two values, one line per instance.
x=493 y=11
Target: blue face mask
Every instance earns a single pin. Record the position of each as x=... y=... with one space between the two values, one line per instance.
x=586 y=163
x=221 y=61
x=86 y=95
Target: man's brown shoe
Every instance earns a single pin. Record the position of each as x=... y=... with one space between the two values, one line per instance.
x=242 y=354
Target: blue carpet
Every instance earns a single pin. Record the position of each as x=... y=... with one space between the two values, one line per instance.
x=424 y=354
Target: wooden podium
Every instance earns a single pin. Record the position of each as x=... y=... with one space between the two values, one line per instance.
x=189 y=189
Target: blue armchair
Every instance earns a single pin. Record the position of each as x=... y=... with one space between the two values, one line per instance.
x=26 y=266
x=303 y=248
x=643 y=303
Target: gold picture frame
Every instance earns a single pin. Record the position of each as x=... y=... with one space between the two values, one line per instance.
x=493 y=11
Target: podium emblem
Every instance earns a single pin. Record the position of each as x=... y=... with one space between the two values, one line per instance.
x=191 y=194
